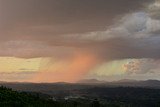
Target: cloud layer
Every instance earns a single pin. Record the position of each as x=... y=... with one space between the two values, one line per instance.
x=105 y=30
x=142 y=66
x=135 y=35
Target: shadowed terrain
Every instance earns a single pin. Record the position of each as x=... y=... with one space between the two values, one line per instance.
x=125 y=93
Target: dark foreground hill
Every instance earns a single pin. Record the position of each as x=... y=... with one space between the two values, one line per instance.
x=10 y=98
x=106 y=97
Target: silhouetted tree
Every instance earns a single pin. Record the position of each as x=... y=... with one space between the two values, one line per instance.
x=95 y=103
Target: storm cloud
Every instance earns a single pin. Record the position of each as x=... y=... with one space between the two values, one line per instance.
x=70 y=31
x=115 y=29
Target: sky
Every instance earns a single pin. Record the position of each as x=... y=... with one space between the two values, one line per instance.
x=70 y=40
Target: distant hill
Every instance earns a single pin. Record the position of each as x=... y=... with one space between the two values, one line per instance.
x=123 y=82
x=136 y=83
x=94 y=81
x=126 y=80
x=90 y=81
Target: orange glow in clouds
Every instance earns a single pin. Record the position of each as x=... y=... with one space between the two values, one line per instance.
x=71 y=70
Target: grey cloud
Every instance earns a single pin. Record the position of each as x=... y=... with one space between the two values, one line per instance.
x=135 y=36
x=59 y=28
x=31 y=49
x=142 y=66
x=33 y=18
x=123 y=40
x=154 y=9
x=122 y=48
x=106 y=29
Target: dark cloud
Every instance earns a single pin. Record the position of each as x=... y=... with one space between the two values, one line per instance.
x=69 y=31
x=110 y=29
x=122 y=48
x=36 y=17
